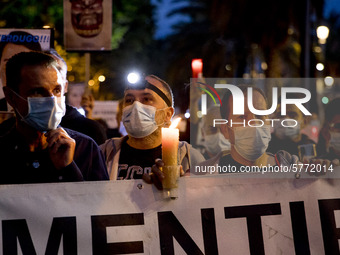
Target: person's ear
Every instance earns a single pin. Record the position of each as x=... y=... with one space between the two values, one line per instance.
x=9 y=96
x=169 y=113
x=66 y=86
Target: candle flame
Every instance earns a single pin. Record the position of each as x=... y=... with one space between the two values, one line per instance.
x=175 y=122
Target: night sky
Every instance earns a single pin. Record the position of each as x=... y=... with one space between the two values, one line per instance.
x=164 y=23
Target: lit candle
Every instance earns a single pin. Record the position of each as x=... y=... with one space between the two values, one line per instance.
x=197 y=67
x=170 y=140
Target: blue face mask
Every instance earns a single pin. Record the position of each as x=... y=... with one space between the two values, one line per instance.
x=44 y=113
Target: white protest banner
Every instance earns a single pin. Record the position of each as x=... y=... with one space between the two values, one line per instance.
x=210 y=216
x=106 y=110
x=87 y=25
x=14 y=35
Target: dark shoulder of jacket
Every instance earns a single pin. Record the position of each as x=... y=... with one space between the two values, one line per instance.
x=7 y=125
x=75 y=121
x=79 y=137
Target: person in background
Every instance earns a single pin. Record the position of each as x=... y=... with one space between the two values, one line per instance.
x=288 y=138
x=9 y=48
x=74 y=96
x=37 y=149
x=312 y=127
x=213 y=140
x=120 y=131
x=147 y=107
x=87 y=103
x=249 y=144
x=73 y=119
x=328 y=146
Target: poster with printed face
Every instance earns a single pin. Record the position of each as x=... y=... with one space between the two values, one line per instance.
x=87 y=25
x=15 y=40
x=28 y=36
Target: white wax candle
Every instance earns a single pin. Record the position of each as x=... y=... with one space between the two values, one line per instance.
x=170 y=139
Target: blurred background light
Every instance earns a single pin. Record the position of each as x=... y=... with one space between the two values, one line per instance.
x=320 y=66
x=329 y=81
x=325 y=100
x=91 y=83
x=322 y=33
x=101 y=78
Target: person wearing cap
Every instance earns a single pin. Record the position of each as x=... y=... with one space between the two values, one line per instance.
x=147 y=107
x=37 y=149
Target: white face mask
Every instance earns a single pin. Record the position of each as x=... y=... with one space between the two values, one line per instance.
x=335 y=141
x=287 y=132
x=252 y=142
x=216 y=143
x=122 y=129
x=139 y=119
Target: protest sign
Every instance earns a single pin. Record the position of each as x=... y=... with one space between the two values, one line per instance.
x=87 y=25
x=43 y=36
x=210 y=216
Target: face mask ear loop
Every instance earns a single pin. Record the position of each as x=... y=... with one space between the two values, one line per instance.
x=18 y=95
x=166 y=122
x=15 y=93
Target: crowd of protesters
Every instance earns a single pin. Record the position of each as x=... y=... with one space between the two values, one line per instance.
x=49 y=140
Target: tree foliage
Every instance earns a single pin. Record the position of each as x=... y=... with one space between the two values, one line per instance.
x=132 y=38
x=235 y=37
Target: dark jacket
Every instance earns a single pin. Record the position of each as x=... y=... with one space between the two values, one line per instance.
x=20 y=165
x=74 y=120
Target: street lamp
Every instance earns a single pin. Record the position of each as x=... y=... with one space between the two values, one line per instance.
x=322 y=32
